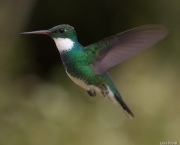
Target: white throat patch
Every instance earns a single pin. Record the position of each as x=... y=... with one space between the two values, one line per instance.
x=63 y=44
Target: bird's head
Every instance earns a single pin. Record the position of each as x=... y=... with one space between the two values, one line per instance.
x=63 y=35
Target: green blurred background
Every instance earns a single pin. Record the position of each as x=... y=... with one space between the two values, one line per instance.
x=40 y=105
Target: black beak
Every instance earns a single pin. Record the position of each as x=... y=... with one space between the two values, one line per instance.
x=44 y=32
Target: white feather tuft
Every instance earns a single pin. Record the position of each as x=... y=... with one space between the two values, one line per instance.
x=64 y=44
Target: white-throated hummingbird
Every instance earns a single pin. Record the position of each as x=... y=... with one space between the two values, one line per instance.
x=87 y=66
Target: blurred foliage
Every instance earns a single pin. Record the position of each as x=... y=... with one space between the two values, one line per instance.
x=40 y=105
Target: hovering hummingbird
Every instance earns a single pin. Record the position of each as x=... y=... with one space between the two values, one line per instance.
x=87 y=66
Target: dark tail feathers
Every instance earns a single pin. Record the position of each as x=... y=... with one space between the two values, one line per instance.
x=124 y=107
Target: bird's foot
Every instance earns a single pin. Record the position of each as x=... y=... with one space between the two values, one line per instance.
x=92 y=93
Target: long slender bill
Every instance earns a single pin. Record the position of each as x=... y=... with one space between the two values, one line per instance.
x=44 y=32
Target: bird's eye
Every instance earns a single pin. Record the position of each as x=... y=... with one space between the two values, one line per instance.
x=61 y=30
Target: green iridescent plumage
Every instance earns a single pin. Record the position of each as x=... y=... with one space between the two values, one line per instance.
x=87 y=66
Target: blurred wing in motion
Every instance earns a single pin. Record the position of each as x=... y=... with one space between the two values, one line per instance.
x=115 y=49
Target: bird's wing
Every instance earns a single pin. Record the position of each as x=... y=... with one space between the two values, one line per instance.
x=115 y=49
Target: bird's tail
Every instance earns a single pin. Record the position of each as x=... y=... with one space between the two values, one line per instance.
x=114 y=95
x=124 y=106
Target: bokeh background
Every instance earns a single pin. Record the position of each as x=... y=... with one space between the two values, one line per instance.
x=40 y=105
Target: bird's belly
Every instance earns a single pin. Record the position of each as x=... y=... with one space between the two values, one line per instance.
x=83 y=84
x=79 y=82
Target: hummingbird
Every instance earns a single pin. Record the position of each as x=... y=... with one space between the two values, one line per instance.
x=87 y=66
